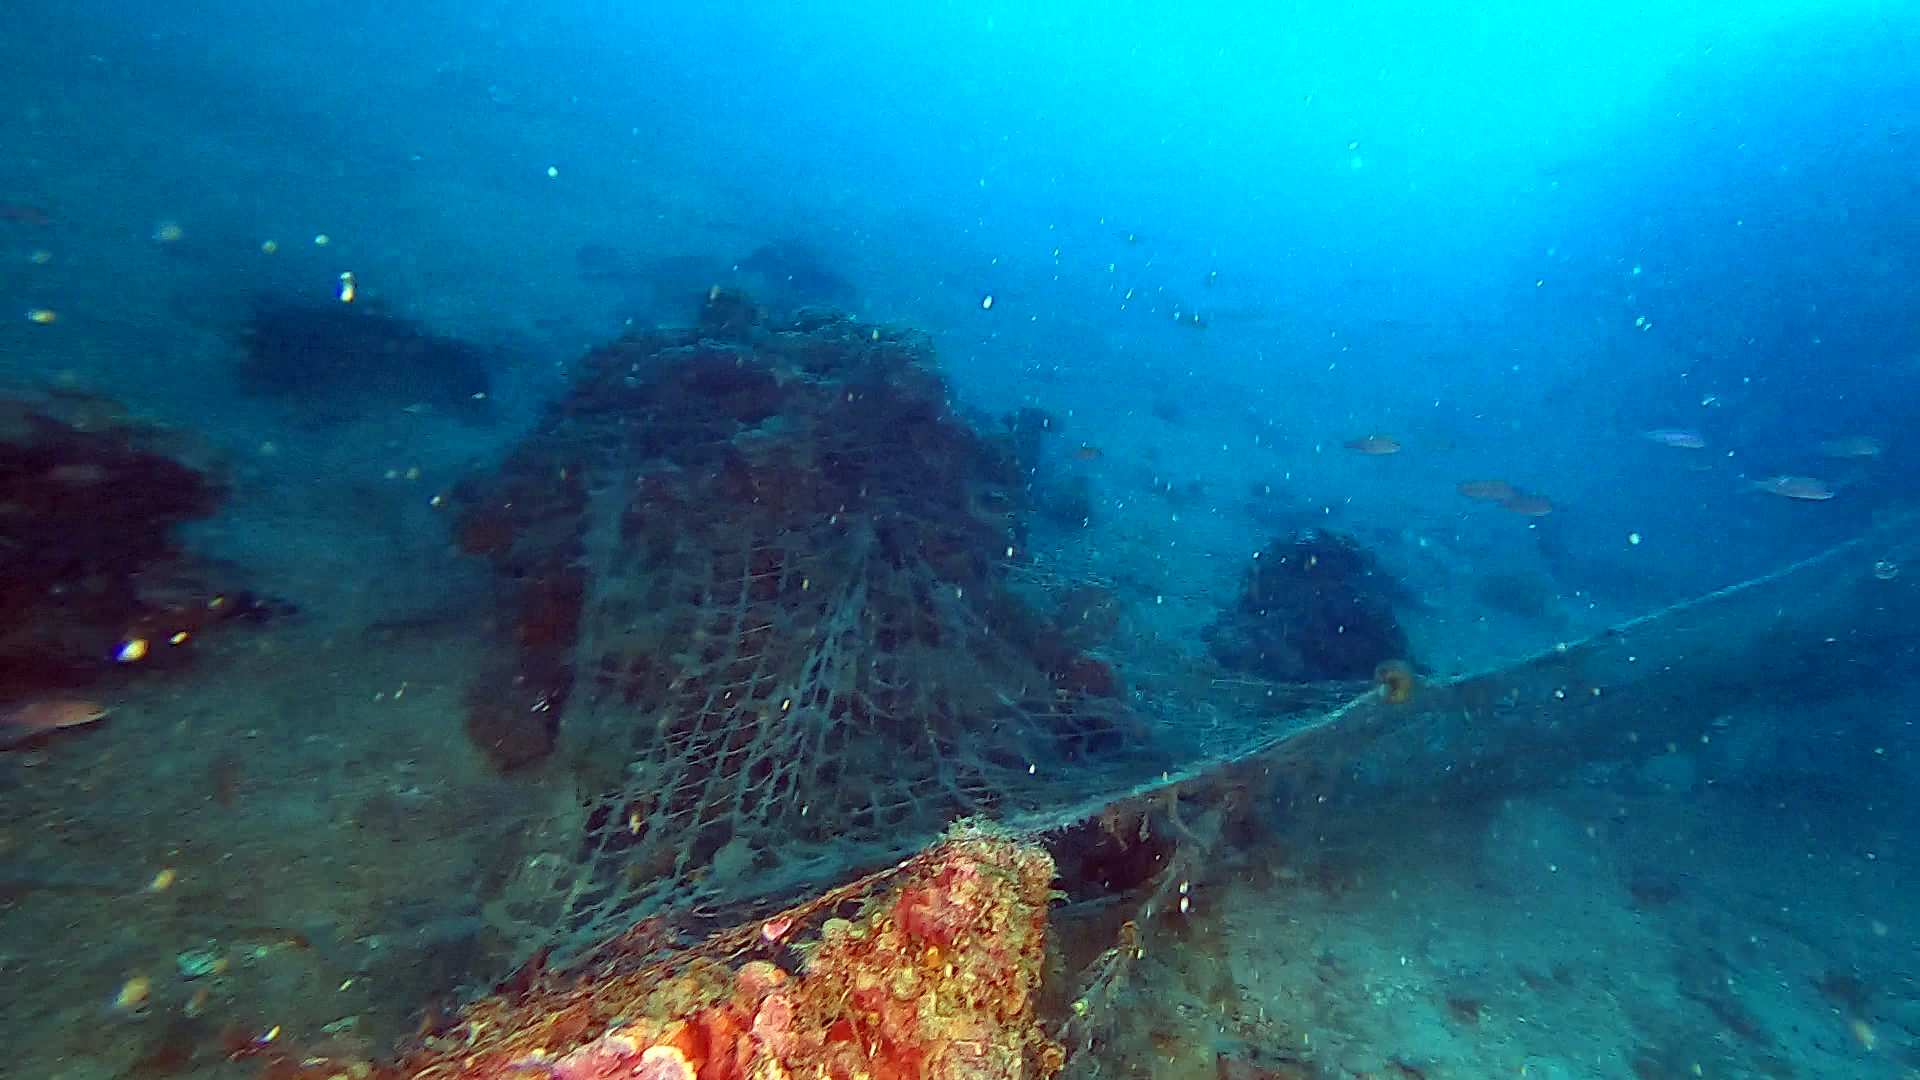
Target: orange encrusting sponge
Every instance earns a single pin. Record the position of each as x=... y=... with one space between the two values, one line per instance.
x=936 y=979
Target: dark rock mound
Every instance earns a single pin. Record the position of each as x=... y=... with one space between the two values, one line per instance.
x=1316 y=606
x=338 y=362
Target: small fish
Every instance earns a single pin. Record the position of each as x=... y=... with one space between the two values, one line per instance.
x=1863 y=1034
x=1679 y=438
x=1374 y=445
x=1796 y=487
x=22 y=214
x=1491 y=490
x=1528 y=505
x=32 y=722
x=37 y=716
x=1852 y=446
x=133 y=994
x=1086 y=452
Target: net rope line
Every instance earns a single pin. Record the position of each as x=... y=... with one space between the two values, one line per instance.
x=1683 y=639
x=766 y=698
x=736 y=751
x=1477 y=727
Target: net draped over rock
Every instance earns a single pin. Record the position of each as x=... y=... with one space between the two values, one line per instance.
x=760 y=598
x=937 y=979
x=759 y=584
x=937 y=975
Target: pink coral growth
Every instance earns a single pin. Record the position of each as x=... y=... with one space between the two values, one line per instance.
x=939 y=910
x=936 y=983
x=612 y=1057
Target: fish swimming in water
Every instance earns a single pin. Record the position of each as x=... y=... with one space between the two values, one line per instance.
x=1852 y=446
x=1679 y=438
x=1491 y=490
x=1808 y=488
x=1374 y=445
x=22 y=214
x=30 y=720
x=1528 y=505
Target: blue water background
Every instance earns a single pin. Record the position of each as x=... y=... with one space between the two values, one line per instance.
x=1216 y=242
x=1530 y=231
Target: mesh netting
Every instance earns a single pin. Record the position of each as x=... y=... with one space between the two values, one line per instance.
x=929 y=970
x=761 y=576
x=1819 y=628
x=762 y=582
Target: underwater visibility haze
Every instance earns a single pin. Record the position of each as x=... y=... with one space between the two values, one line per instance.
x=571 y=540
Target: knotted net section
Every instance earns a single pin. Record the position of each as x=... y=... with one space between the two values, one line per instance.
x=761 y=579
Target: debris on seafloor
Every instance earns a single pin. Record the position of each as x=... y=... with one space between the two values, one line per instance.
x=94 y=586
x=1316 y=606
x=717 y=493
x=937 y=976
x=756 y=575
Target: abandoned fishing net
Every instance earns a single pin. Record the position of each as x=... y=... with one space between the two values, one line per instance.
x=766 y=616
x=762 y=604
